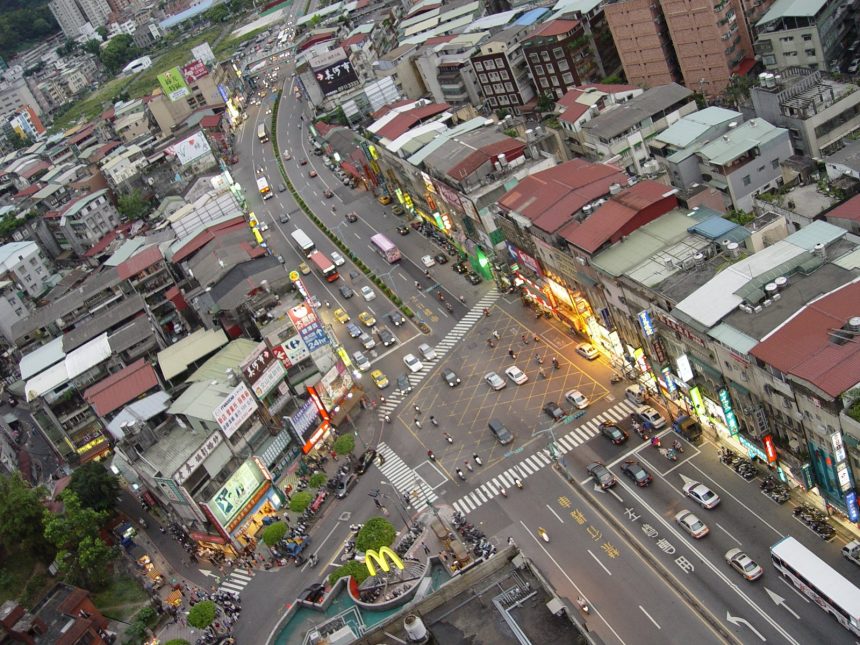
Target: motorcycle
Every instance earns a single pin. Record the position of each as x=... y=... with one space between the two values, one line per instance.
x=615 y=378
x=431 y=456
x=583 y=605
x=543 y=534
x=671 y=455
x=477 y=459
x=460 y=474
x=518 y=482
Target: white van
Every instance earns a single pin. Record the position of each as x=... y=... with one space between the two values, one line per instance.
x=635 y=394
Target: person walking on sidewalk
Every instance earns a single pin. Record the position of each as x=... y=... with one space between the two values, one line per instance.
x=426 y=548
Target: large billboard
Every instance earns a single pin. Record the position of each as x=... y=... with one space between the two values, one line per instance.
x=333 y=71
x=203 y=53
x=233 y=495
x=194 y=71
x=292 y=352
x=263 y=370
x=189 y=149
x=305 y=320
x=235 y=409
x=305 y=421
x=173 y=84
x=334 y=386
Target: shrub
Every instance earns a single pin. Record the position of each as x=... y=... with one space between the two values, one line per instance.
x=352 y=568
x=202 y=614
x=317 y=480
x=376 y=532
x=274 y=533
x=300 y=501
x=344 y=444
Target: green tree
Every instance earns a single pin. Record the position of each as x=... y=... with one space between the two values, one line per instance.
x=22 y=510
x=344 y=444
x=376 y=532
x=315 y=20
x=95 y=486
x=202 y=614
x=92 y=47
x=317 y=480
x=352 y=568
x=133 y=206
x=119 y=50
x=274 y=533
x=218 y=13
x=81 y=554
x=545 y=102
x=300 y=501
x=103 y=32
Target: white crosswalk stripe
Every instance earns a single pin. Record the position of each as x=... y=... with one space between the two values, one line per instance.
x=235 y=582
x=405 y=479
x=445 y=345
x=530 y=465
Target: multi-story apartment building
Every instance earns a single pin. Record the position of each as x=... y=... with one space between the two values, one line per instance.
x=446 y=70
x=502 y=72
x=644 y=45
x=806 y=34
x=72 y=15
x=122 y=165
x=84 y=221
x=819 y=112
x=15 y=94
x=12 y=308
x=23 y=262
x=168 y=114
x=560 y=57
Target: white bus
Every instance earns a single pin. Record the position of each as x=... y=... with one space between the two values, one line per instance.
x=818 y=581
x=262 y=133
x=301 y=239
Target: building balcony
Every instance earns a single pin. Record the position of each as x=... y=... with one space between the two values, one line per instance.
x=70 y=409
x=78 y=422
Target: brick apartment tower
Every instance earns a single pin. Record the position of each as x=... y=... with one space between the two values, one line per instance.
x=709 y=40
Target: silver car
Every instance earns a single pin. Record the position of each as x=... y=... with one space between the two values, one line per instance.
x=494 y=380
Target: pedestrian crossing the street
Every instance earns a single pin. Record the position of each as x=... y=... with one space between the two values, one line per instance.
x=530 y=465
x=452 y=338
x=236 y=581
x=405 y=479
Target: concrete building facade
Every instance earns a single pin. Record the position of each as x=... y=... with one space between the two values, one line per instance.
x=642 y=38
x=500 y=65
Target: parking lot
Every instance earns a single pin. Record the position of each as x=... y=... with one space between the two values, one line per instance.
x=463 y=411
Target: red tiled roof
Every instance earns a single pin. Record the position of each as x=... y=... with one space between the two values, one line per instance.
x=102 y=151
x=744 y=66
x=139 y=261
x=204 y=237
x=551 y=197
x=33 y=168
x=120 y=388
x=323 y=128
x=438 y=40
x=32 y=189
x=803 y=347
x=109 y=114
x=210 y=121
x=361 y=4
x=568 y=99
x=101 y=245
x=404 y=121
x=353 y=40
x=385 y=109
x=80 y=136
x=555 y=28
x=510 y=147
x=849 y=210
x=573 y=112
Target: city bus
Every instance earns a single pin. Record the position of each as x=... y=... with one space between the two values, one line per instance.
x=302 y=241
x=818 y=581
x=326 y=266
x=262 y=133
x=385 y=247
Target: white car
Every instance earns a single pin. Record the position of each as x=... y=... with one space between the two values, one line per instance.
x=743 y=564
x=587 y=350
x=494 y=380
x=649 y=414
x=361 y=361
x=426 y=351
x=428 y=261
x=516 y=375
x=701 y=494
x=262 y=227
x=367 y=293
x=692 y=524
x=577 y=399
x=413 y=363
x=337 y=258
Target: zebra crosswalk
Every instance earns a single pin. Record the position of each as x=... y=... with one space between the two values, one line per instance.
x=533 y=463
x=445 y=345
x=405 y=479
x=235 y=582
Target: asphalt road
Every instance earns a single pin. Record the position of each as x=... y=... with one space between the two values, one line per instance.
x=621 y=550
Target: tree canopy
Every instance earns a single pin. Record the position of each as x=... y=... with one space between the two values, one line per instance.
x=133 y=206
x=344 y=444
x=95 y=486
x=23 y=22
x=376 y=532
x=119 y=50
x=22 y=512
x=274 y=533
x=202 y=614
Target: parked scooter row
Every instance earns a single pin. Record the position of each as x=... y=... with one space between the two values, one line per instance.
x=408 y=540
x=431 y=233
x=815 y=521
x=741 y=465
x=775 y=489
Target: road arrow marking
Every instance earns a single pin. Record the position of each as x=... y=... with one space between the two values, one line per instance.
x=206 y=572
x=598 y=488
x=737 y=620
x=616 y=495
x=687 y=480
x=779 y=601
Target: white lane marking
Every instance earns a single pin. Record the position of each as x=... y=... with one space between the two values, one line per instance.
x=554 y=513
x=603 y=566
x=656 y=624
x=727 y=533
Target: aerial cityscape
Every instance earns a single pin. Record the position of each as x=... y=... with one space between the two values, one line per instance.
x=429 y=321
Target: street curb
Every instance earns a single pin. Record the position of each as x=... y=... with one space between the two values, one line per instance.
x=658 y=567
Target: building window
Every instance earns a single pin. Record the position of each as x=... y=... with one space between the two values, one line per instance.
x=503 y=100
x=505 y=75
x=539 y=70
x=807 y=37
x=567 y=78
x=509 y=87
x=790 y=54
x=515 y=100
x=482 y=78
x=746 y=180
x=498 y=88
x=550 y=69
x=533 y=57
x=544 y=83
x=545 y=56
x=774 y=164
x=809 y=52
x=479 y=67
x=489 y=64
x=563 y=65
x=558 y=52
x=786 y=39
x=494 y=77
x=493 y=101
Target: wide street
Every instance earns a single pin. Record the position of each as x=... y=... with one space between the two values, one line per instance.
x=646 y=580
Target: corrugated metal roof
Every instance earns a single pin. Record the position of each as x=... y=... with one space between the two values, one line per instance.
x=74 y=364
x=121 y=387
x=124 y=252
x=745 y=137
x=791 y=9
x=733 y=338
x=42 y=358
x=621 y=118
x=175 y=359
x=140 y=410
x=200 y=400
x=229 y=356
x=140 y=261
x=693 y=126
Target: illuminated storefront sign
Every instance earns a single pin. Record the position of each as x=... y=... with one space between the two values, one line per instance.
x=851 y=504
x=646 y=323
x=769 y=448
x=729 y=411
x=669 y=380
x=641 y=360
x=381 y=561
x=685 y=370
x=698 y=402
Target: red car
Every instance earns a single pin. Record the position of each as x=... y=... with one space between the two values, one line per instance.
x=312 y=173
x=318 y=501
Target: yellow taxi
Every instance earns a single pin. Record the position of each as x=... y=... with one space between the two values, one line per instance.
x=367 y=319
x=384 y=200
x=304 y=268
x=379 y=378
x=341 y=316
